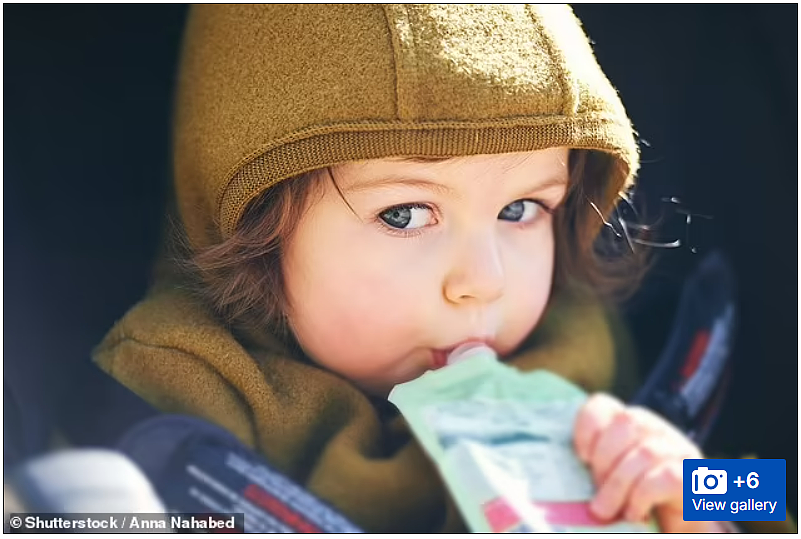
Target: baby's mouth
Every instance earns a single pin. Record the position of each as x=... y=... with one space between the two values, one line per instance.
x=440 y=355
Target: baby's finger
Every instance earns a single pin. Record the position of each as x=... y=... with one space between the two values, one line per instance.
x=626 y=430
x=616 y=488
x=593 y=418
x=659 y=485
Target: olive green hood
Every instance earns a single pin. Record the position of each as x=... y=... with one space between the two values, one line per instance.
x=272 y=91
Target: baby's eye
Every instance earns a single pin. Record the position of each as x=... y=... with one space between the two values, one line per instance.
x=407 y=216
x=521 y=211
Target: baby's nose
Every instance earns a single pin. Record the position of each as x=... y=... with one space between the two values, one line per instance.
x=476 y=274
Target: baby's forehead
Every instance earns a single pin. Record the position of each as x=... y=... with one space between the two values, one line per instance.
x=550 y=157
x=548 y=165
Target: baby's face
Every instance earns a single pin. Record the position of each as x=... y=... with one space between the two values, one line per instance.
x=429 y=255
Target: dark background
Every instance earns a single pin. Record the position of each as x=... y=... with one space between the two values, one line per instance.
x=87 y=99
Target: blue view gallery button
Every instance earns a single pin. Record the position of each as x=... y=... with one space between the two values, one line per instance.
x=735 y=489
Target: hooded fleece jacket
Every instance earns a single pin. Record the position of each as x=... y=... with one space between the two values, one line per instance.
x=267 y=93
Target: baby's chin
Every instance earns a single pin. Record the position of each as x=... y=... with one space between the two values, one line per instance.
x=379 y=384
x=416 y=365
x=381 y=388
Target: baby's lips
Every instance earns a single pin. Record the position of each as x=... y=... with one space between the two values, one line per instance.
x=468 y=350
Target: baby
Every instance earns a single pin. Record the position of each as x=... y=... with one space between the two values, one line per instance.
x=364 y=188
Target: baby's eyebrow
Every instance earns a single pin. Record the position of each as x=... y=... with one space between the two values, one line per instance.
x=438 y=187
x=559 y=181
x=411 y=182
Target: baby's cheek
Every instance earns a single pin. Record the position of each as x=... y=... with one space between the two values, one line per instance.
x=353 y=334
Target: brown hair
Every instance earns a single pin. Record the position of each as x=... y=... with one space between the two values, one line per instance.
x=611 y=265
x=242 y=277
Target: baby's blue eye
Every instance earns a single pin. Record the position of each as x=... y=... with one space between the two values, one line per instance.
x=406 y=216
x=521 y=211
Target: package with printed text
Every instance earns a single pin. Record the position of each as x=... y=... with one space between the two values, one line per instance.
x=502 y=441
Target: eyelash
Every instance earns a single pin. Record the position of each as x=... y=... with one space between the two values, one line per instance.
x=410 y=233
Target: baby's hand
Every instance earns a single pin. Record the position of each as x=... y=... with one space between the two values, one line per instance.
x=636 y=461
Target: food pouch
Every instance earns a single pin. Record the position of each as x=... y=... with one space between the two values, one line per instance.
x=502 y=441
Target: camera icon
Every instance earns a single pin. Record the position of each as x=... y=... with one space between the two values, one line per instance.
x=706 y=481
